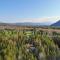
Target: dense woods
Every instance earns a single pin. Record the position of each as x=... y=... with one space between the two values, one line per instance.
x=28 y=45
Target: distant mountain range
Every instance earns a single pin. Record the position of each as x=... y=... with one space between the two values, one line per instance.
x=57 y=24
x=26 y=24
x=32 y=24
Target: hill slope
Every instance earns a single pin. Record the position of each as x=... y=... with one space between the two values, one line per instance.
x=56 y=24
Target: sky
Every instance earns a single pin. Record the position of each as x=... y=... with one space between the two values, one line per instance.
x=12 y=11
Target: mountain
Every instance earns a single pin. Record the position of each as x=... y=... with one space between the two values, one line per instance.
x=56 y=24
x=7 y=24
x=4 y=24
x=26 y=24
x=32 y=24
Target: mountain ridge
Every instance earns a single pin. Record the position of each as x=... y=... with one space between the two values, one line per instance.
x=56 y=23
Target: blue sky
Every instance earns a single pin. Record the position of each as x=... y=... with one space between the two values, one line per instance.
x=29 y=10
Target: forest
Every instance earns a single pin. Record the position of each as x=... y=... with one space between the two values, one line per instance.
x=32 y=44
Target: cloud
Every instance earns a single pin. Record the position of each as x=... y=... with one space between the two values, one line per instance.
x=44 y=19
x=34 y=20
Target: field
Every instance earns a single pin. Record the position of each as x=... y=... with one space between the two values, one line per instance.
x=29 y=43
